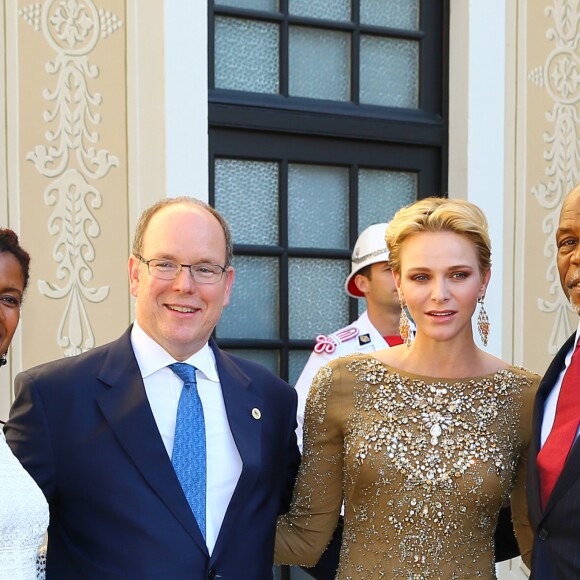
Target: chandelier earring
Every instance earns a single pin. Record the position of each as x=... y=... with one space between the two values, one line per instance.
x=483 y=322
x=3 y=360
x=405 y=326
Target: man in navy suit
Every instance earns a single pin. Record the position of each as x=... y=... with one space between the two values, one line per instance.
x=97 y=431
x=554 y=459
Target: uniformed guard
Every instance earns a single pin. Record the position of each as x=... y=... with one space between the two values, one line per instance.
x=376 y=328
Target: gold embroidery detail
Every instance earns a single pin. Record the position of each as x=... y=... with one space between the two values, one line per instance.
x=423 y=466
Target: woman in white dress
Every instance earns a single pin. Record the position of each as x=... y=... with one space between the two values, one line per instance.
x=23 y=508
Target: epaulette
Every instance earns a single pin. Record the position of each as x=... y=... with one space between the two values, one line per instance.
x=328 y=342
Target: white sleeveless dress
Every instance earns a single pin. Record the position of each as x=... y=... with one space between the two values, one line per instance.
x=23 y=520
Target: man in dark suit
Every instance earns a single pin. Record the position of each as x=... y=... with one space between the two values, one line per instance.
x=554 y=460
x=105 y=434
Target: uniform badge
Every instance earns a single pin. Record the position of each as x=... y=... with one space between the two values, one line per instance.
x=364 y=339
x=328 y=343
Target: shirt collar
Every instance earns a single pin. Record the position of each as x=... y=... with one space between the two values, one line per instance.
x=152 y=357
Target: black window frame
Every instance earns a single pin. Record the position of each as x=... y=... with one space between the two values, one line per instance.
x=264 y=127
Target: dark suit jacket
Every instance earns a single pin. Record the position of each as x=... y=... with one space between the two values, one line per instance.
x=84 y=430
x=556 y=552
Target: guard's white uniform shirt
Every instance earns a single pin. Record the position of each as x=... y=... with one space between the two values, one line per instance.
x=360 y=336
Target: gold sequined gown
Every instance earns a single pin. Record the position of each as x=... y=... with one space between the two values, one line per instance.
x=424 y=466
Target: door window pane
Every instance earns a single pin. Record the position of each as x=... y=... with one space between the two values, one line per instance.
x=296 y=363
x=319 y=64
x=246 y=193
x=267 y=358
x=317 y=300
x=254 y=308
x=390 y=13
x=382 y=193
x=389 y=72
x=326 y=9
x=266 y=5
x=246 y=55
x=317 y=206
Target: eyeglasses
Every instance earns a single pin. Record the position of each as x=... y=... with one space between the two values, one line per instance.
x=168 y=270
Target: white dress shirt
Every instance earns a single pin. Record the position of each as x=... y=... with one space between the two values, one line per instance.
x=163 y=389
x=552 y=398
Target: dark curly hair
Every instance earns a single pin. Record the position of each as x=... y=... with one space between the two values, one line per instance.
x=9 y=243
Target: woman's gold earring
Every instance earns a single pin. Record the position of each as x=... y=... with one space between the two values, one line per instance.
x=483 y=322
x=405 y=326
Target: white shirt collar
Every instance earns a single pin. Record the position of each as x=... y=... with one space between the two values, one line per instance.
x=576 y=338
x=152 y=357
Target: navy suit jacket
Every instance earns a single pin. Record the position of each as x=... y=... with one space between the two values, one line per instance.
x=556 y=552
x=84 y=430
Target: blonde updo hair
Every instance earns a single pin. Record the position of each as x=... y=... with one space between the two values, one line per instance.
x=438 y=214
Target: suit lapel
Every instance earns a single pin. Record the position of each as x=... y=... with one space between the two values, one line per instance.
x=570 y=473
x=127 y=410
x=571 y=470
x=246 y=427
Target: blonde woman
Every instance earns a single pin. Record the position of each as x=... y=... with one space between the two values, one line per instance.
x=424 y=441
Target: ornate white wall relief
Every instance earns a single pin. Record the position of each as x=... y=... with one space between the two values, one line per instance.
x=560 y=77
x=71 y=158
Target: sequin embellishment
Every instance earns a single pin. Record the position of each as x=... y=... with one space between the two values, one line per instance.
x=423 y=467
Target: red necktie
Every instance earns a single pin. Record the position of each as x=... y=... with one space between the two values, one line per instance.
x=393 y=340
x=553 y=454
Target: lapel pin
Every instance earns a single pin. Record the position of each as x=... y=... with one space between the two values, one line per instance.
x=256 y=413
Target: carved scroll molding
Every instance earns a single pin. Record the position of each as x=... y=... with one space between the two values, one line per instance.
x=560 y=78
x=71 y=158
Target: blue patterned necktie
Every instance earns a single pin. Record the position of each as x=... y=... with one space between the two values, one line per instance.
x=189 y=453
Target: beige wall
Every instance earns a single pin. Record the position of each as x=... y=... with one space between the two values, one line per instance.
x=72 y=175
x=547 y=166
x=74 y=114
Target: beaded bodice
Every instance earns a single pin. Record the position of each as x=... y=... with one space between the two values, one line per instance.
x=424 y=466
x=23 y=519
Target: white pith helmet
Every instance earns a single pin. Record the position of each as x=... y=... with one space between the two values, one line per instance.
x=370 y=248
